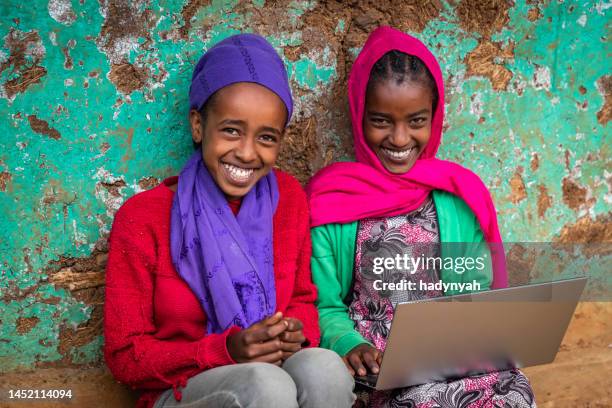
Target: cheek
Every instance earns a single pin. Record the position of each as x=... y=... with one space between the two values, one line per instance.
x=372 y=136
x=269 y=155
x=212 y=149
x=424 y=135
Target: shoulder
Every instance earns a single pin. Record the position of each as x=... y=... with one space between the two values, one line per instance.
x=290 y=190
x=445 y=201
x=147 y=205
x=330 y=235
x=292 y=211
x=287 y=182
x=337 y=228
x=458 y=223
x=141 y=222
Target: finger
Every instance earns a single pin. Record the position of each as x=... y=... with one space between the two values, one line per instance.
x=369 y=358
x=355 y=360
x=379 y=357
x=275 y=318
x=264 y=333
x=293 y=337
x=294 y=324
x=276 y=329
x=291 y=347
x=275 y=358
x=261 y=349
x=264 y=322
x=348 y=366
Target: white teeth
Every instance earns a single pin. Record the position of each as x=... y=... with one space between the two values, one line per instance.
x=238 y=173
x=397 y=155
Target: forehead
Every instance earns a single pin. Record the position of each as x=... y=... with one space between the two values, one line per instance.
x=246 y=100
x=390 y=96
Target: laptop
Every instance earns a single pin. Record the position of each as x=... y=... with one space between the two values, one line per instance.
x=452 y=337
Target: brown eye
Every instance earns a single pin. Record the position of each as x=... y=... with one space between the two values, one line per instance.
x=379 y=121
x=231 y=131
x=419 y=121
x=268 y=138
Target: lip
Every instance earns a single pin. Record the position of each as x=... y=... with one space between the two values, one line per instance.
x=401 y=160
x=238 y=182
x=251 y=167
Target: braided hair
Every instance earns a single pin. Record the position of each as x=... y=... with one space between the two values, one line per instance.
x=403 y=68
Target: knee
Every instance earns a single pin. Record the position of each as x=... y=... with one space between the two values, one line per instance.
x=320 y=365
x=265 y=385
x=323 y=372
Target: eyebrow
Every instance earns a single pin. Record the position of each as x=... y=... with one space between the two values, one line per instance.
x=411 y=115
x=377 y=113
x=238 y=122
x=271 y=130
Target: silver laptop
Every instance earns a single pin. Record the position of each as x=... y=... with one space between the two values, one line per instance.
x=446 y=338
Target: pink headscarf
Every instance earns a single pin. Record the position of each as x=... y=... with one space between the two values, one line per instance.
x=349 y=191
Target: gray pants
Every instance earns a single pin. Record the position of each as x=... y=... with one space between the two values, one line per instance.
x=311 y=378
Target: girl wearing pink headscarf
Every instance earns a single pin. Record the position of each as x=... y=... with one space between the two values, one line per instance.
x=397 y=201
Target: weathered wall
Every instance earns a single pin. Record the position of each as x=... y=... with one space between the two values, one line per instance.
x=93 y=98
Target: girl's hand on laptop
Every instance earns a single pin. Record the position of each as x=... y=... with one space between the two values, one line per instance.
x=362 y=358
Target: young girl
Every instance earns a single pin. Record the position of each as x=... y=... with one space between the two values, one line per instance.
x=212 y=268
x=399 y=200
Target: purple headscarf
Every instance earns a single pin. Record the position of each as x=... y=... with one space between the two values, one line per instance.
x=227 y=260
x=240 y=58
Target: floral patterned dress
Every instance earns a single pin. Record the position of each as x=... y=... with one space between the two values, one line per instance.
x=372 y=311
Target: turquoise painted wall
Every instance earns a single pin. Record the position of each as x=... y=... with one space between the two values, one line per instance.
x=93 y=100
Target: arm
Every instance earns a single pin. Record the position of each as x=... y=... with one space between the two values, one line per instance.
x=462 y=237
x=337 y=329
x=478 y=248
x=475 y=247
x=132 y=352
x=302 y=303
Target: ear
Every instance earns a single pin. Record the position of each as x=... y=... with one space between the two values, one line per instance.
x=195 y=120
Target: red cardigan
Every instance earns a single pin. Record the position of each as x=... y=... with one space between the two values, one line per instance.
x=154 y=326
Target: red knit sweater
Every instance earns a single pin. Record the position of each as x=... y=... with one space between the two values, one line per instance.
x=153 y=324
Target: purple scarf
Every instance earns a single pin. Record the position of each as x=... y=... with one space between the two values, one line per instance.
x=226 y=260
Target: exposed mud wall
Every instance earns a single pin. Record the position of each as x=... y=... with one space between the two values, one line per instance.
x=93 y=97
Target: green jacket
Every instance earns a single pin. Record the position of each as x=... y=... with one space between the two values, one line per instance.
x=333 y=255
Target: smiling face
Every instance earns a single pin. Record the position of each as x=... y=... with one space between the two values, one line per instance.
x=240 y=136
x=397 y=122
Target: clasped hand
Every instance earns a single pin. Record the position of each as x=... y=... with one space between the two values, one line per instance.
x=271 y=340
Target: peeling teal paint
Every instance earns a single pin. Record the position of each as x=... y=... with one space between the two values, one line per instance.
x=340 y=26
x=57 y=201
x=517 y=126
x=297 y=8
x=40 y=343
x=88 y=353
x=308 y=74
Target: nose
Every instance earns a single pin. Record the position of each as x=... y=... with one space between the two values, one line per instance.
x=400 y=135
x=246 y=150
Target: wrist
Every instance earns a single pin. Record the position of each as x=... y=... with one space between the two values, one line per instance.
x=230 y=346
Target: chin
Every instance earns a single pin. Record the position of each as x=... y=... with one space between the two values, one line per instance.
x=236 y=192
x=397 y=168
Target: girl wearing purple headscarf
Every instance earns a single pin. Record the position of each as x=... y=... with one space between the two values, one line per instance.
x=209 y=298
